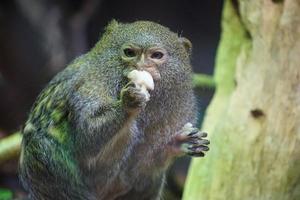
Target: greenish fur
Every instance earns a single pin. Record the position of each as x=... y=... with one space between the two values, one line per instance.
x=86 y=139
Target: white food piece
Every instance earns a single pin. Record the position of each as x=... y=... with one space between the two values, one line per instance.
x=143 y=80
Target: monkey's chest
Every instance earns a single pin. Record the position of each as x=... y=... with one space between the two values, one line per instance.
x=141 y=163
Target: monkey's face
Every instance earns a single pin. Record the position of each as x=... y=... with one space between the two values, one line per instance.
x=148 y=46
x=148 y=59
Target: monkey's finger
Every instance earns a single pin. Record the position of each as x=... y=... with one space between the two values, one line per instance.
x=198 y=141
x=206 y=142
x=130 y=84
x=199 y=134
x=198 y=154
x=199 y=148
x=193 y=132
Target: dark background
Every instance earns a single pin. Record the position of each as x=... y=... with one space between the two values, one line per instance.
x=39 y=38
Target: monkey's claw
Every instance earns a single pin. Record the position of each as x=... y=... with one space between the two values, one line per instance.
x=191 y=141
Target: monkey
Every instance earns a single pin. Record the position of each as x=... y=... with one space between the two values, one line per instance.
x=92 y=134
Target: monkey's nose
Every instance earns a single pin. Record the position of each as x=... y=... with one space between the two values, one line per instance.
x=142 y=65
x=139 y=65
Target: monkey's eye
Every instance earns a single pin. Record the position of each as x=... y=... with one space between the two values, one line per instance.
x=129 y=52
x=157 y=55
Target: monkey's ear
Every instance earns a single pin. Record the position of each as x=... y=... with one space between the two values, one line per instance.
x=186 y=44
x=113 y=25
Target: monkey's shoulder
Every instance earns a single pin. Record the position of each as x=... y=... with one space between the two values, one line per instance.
x=50 y=112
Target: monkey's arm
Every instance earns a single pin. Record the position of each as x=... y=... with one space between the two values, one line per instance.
x=101 y=120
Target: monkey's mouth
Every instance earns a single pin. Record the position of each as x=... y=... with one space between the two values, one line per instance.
x=154 y=73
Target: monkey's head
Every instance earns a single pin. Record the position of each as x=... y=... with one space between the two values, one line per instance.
x=145 y=45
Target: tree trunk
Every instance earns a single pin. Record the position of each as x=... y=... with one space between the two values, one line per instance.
x=254 y=118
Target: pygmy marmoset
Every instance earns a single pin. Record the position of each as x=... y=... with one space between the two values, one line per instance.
x=94 y=134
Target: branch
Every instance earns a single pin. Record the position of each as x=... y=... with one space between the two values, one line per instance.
x=10 y=147
x=203 y=81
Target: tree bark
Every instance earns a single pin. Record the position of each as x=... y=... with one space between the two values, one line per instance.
x=254 y=118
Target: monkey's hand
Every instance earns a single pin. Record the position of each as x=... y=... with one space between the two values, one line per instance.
x=190 y=141
x=143 y=80
x=133 y=98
